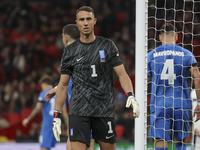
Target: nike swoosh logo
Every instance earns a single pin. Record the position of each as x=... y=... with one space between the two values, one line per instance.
x=108 y=137
x=79 y=59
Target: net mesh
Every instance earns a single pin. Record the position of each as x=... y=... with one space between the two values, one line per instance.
x=185 y=16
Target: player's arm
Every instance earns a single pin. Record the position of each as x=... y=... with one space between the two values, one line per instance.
x=50 y=94
x=195 y=72
x=124 y=78
x=126 y=85
x=33 y=114
x=61 y=94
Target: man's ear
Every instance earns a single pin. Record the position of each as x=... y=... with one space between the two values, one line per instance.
x=66 y=39
x=176 y=36
x=95 y=21
x=160 y=37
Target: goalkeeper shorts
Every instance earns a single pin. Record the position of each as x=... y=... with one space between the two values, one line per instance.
x=103 y=129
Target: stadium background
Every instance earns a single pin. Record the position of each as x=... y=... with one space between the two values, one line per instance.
x=31 y=45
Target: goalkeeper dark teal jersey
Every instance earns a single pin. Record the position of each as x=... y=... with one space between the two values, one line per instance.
x=168 y=66
x=91 y=67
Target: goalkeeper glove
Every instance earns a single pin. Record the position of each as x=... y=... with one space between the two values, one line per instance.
x=131 y=101
x=57 y=125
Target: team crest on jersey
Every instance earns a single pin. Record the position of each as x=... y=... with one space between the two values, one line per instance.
x=71 y=131
x=102 y=56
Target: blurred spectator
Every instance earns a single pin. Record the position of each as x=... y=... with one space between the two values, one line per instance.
x=127 y=121
x=19 y=60
x=19 y=136
x=33 y=133
x=3 y=122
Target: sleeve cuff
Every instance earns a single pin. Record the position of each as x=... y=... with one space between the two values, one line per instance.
x=66 y=72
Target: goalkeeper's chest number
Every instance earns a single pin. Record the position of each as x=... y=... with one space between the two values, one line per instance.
x=94 y=74
x=170 y=76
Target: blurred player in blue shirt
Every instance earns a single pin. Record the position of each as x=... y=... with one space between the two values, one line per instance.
x=47 y=139
x=170 y=105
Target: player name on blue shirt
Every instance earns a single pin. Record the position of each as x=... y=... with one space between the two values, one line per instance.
x=168 y=52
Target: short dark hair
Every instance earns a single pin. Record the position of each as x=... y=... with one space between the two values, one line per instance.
x=167 y=28
x=46 y=79
x=85 y=8
x=72 y=30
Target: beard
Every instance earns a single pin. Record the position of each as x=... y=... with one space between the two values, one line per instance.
x=87 y=33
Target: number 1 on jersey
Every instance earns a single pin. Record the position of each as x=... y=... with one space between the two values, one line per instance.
x=52 y=102
x=168 y=65
x=93 y=71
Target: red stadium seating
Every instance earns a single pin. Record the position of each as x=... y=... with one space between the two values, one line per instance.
x=25 y=113
x=119 y=130
x=14 y=118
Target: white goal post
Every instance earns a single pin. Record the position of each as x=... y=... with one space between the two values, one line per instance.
x=140 y=73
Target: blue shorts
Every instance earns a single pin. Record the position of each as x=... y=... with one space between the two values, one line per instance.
x=169 y=123
x=47 y=140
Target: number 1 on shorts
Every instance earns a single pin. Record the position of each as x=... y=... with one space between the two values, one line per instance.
x=110 y=127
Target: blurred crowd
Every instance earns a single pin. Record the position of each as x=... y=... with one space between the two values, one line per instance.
x=31 y=45
x=185 y=17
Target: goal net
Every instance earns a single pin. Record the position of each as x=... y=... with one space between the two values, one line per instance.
x=185 y=16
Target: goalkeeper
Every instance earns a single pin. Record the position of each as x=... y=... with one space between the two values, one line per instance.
x=170 y=104
x=69 y=35
x=90 y=61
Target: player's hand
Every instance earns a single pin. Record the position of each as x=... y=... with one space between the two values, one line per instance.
x=197 y=112
x=57 y=125
x=131 y=101
x=50 y=94
x=25 y=122
x=196 y=131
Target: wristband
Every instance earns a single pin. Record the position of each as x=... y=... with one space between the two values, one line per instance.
x=129 y=94
x=198 y=103
x=57 y=114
